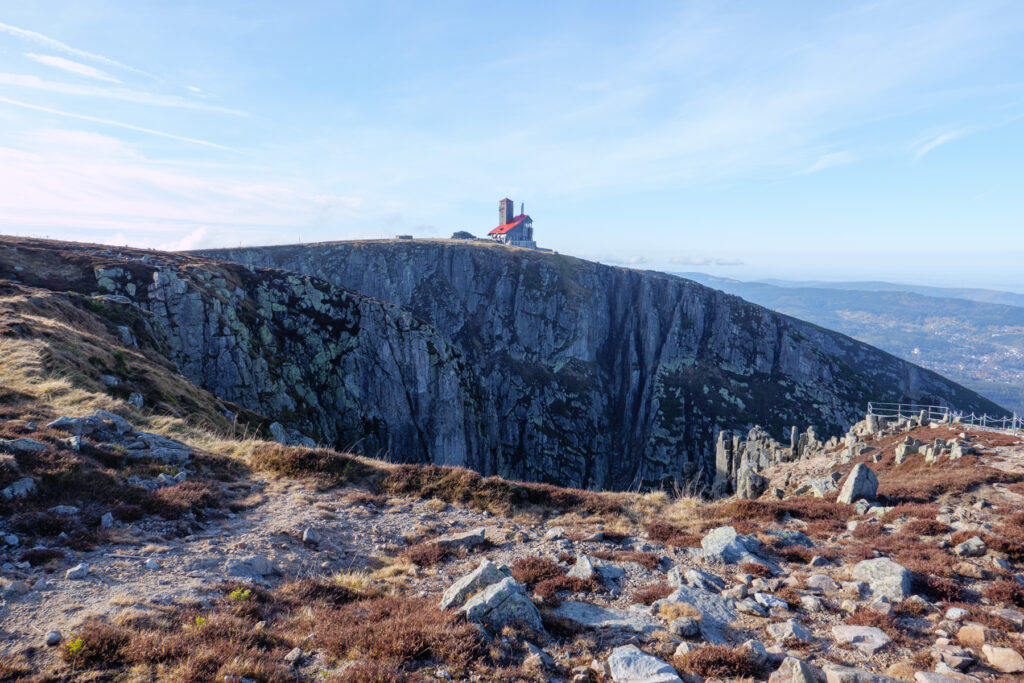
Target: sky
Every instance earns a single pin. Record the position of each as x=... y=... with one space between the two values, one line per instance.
x=794 y=140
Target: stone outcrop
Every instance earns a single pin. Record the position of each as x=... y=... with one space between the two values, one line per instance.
x=578 y=360
x=512 y=362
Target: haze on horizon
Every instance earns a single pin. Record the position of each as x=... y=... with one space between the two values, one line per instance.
x=867 y=141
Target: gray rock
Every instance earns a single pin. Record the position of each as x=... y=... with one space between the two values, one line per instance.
x=293 y=657
x=756 y=651
x=21 y=446
x=717 y=613
x=107 y=520
x=750 y=484
x=792 y=537
x=10 y=539
x=79 y=571
x=823 y=583
x=884 y=577
x=52 y=638
x=589 y=616
x=1003 y=659
x=254 y=566
x=936 y=677
x=484 y=575
x=861 y=483
x=502 y=604
x=151 y=564
x=751 y=607
x=23 y=488
x=795 y=670
x=64 y=510
x=770 y=601
x=972 y=547
x=684 y=627
x=725 y=545
x=310 y=536
x=867 y=639
x=791 y=629
x=629 y=664
x=835 y=673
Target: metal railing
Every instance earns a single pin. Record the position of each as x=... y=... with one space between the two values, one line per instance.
x=899 y=411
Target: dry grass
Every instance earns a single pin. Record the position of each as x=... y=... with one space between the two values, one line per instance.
x=916 y=481
x=718 y=661
x=924 y=527
x=670 y=611
x=649 y=561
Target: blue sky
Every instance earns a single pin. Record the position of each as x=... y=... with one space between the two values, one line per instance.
x=792 y=140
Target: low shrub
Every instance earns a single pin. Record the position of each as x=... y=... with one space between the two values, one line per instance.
x=1005 y=591
x=548 y=589
x=290 y=461
x=427 y=554
x=650 y=593
x=756 y=569
x=670 y=534
x=41 y=556
x=924 y=527
x=532 y=570
x=938 y=588
x=718 y=661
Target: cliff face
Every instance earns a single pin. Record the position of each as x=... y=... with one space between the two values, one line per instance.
x=588 y=375
x=349 y=370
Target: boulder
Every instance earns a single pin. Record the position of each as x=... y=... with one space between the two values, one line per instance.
x=254 y=566
x=795 y=670
x=21 y=446
x=629 y=664
x=588 y=616
x=23 y=488
x=1004 y=659
x=860 y=483
x=502 y=604
x=484 y=575
x=835 y=673
x=79 y=571
x=725 y=545
x=465 y=539
x=790 y=629
x=750 y=484
x=884 y=577
x=867 y=639
x=972 y=547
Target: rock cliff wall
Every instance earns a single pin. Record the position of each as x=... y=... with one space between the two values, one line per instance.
x=594 y=376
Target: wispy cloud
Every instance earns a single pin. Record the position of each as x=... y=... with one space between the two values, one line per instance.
x=63 y=47
x=827 y=161
x=117 y=124
x=70 y=66
x=690 y=260
x=124 y=94
x=728 y=262
x=937 y=141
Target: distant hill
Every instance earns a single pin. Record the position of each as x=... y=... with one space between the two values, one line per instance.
x=989 y=296
x=973 y=336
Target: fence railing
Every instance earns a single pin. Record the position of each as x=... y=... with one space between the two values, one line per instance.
x=898 y=411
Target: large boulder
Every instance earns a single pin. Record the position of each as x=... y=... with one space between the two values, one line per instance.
x=884 y=577
x=588 y=616
x=21 y=446
x=23 y=488
x=861 y=483
x=629 y=664
x=725 y=545
x=795 y=670
x=502 y=604
x=867 y=639
x=484 y=575
x=750 y=484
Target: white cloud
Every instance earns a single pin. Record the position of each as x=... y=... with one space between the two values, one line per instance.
x=827 y=161
x=125 y=94
x=117 y=124
x=690 y=260
x=936 y=141
x=728 y=262
x=76 y=68
x=62 y=47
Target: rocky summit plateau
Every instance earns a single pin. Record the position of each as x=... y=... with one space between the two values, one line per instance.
x=423 y=460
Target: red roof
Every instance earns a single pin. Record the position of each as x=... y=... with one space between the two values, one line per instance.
x=502 y=229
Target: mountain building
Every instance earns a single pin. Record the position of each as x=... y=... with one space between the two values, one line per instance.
x=516 y=231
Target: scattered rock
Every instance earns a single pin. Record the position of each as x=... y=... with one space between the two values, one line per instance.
x=867 y=639
x=860 y=483
x=292 y=658
x=795 y=670
x=972 y=547
x=484 y=575
x=79 y=571
x=53 y=638
x=1003 y=659
x=589 y=616
x=725 y=545
x=502 y=604
x=23 y=488
x=884 y=577
x=790 y=629
x=310 y=536
x=629 y=664
x=465 y=539
x=835 y=673
x=684 y=627
x=107 y=520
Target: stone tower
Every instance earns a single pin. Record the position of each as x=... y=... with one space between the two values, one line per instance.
x=506 y=209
